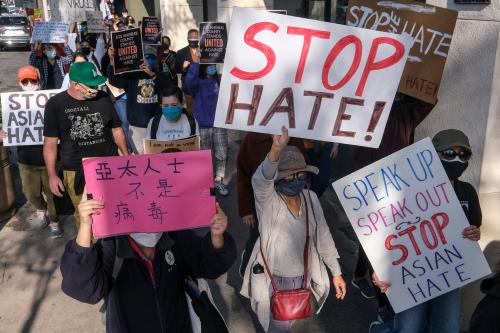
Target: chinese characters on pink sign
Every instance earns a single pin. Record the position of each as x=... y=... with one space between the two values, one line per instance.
x=151 y=193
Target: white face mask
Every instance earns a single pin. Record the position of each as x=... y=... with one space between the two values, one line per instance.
x=30 y=87
x=146 y=239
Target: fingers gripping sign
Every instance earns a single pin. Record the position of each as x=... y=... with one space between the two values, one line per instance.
x=86 y=209
x=217 y=227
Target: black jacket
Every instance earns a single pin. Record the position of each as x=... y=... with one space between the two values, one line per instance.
x=143 y=100
x=486 y=317
x=182 y=55
x=135 y=304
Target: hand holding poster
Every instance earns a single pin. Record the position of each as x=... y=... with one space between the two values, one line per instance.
x=151 y=193
x=128 y=50
x=151 y=32
x=323 y=81
x=213 y=42
x=159 y=146
x=22 y=116
x=432 y=27
x=409 y=221
x=50 y=32
x=95 y=23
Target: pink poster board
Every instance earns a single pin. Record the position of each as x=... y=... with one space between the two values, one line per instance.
x=151 y=193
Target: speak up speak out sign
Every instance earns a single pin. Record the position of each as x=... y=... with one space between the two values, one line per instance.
x=409 y=221
x=323 y=81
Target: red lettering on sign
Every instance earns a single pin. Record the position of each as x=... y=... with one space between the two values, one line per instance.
x=308 y=35
x=265 y=49
x=335 y=51
x=371 y=65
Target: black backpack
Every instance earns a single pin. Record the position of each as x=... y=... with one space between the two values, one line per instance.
x=156 y=123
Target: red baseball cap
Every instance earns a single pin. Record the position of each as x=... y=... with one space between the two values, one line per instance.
x=27 y=72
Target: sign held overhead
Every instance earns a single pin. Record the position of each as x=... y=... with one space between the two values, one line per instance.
x=323 y=81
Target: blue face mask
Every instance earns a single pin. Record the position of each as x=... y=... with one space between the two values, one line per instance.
x=290 y=188
x=172 y=113
x=211 y=70
x=51 y=54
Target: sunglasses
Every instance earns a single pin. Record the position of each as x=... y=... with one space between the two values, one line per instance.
x=450 y=154
x=298 y=176
x=28 y=81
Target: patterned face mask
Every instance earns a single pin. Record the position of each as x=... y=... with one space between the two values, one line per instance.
x=89 y=93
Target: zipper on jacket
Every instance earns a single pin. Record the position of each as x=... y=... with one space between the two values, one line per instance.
x=157 y=306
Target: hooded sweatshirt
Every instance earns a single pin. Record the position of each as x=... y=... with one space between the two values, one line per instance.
x=205 y=90
x=486 y=317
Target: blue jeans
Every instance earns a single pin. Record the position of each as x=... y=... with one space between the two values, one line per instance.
x=121 y=109
x=439 y=315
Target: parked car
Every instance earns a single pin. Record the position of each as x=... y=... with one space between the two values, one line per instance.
x=15 y=31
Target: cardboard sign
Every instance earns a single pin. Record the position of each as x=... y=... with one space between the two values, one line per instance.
x=129 y=54
x=95 y=23
x=70 y=10
x=151 y=32
x=50 y=32
x=323 y=81
x=409 y=221
x=432 y=27
x=151 y=193
x=72 y=41
x=159 y=146
x=213 y=42
x=22 y=116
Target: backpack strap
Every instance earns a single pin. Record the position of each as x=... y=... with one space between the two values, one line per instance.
x=192 y=122
x=155 y=125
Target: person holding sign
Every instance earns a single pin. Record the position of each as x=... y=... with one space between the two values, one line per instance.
x=295 y=242
x=142 y=98
x=174 y=123
x=50 y=60
x=142 y=276
x=441 y=314
x=203 y=83
x=32 y=170
x=84 y=122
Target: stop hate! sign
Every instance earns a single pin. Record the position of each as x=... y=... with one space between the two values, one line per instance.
x=323 y=81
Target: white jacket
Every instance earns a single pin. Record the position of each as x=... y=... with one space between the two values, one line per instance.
x=272 y=210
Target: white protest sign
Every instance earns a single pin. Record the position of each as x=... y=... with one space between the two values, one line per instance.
x=72 y=41
x=70 y=10
x=323 y=81
x=50 y=32
x=95 y=23
x=22 y=116
x=409 y=221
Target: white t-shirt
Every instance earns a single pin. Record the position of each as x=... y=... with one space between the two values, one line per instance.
x=169 y=131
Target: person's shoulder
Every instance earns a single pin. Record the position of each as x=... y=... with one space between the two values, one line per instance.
x=464 y=186
x=183 y=50
x=57 y=98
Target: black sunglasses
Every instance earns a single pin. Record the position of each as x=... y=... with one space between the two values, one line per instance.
x=299 y=175
x=449 y=154
x=26 y=81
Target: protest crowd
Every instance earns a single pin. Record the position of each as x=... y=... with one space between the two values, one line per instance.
x=115 y=94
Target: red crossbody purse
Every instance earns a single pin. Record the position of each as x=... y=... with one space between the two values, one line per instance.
x=292 y=304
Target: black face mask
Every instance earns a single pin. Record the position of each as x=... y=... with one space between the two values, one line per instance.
x=193 y=43
x=86 y=50
x=454 y=169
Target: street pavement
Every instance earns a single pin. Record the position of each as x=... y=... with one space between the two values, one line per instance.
x=31 y=299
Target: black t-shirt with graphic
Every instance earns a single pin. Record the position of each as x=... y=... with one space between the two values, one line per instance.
x=83 y=127
x=469 y=201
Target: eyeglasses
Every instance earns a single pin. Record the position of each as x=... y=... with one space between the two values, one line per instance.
x=28 y=81
x=298 y=176
x=450 y=154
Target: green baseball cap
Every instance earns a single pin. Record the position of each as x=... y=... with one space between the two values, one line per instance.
x=86 y=73
x=450 y=138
